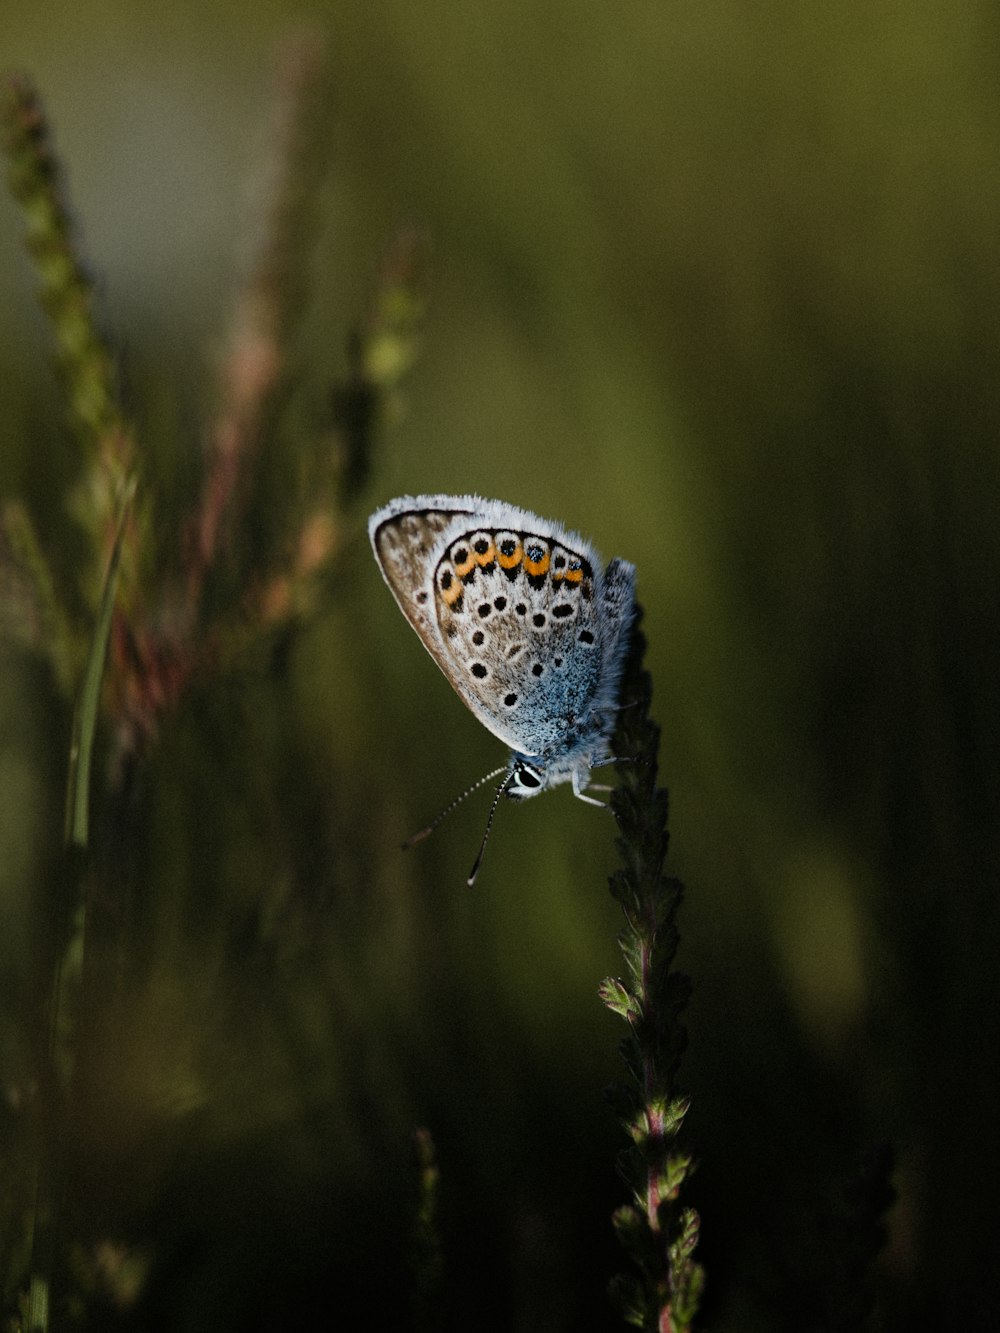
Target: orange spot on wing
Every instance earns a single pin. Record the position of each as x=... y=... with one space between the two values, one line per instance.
x=539 y=566
x=509 y=561
x=462 y=567
x=488 y=556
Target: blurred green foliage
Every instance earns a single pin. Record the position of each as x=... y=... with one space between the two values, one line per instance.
x=715 y=284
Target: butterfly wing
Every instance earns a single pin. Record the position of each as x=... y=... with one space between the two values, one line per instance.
x=507 y=604
x=406 y=538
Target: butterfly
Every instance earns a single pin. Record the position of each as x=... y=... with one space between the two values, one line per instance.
x=524 y=622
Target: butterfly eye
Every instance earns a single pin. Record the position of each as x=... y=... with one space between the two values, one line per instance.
x=525 y=781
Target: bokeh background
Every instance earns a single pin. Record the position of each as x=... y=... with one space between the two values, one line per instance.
x=716 y=284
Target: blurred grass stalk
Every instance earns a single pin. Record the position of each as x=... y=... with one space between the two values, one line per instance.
x=253 y=375
x=103 y=506
x=655 y=1230
x=154 y=636
x=83 y=358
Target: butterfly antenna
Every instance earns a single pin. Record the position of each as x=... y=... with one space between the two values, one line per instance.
x=426 y=832
x=489 y=824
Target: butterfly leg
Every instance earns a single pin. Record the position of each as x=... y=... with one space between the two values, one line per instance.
x=591 y=800
x=581 y=780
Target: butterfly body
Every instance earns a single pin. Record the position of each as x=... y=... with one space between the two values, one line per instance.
x=523 y=620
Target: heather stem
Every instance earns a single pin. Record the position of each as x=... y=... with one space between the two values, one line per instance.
x=656 y=1232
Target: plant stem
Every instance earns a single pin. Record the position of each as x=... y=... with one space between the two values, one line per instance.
x=657 y=1233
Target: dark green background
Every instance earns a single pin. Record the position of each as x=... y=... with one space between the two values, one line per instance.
x=716 y=284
